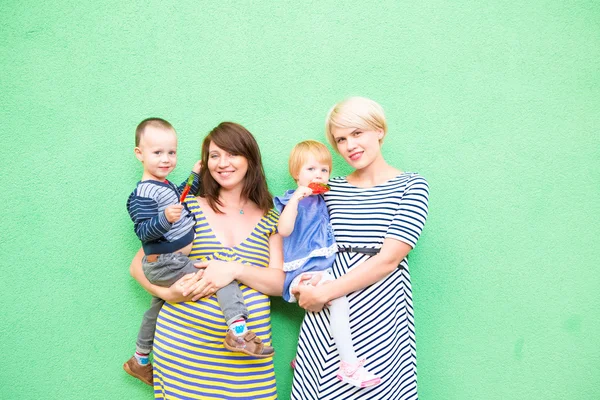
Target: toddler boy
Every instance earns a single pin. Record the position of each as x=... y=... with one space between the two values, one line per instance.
x=165 y=227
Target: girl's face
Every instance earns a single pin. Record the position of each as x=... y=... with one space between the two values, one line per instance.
x=229 y=170
x=312 y=171
x=359 y=147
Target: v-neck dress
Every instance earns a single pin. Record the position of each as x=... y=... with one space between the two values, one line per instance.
x=190 y=361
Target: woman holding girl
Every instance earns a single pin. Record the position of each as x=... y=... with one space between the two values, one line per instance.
x=377 y=213
x=235 y=223
x=309 y=249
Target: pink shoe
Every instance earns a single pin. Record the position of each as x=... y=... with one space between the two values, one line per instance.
x=357 y=375
x=293 y=363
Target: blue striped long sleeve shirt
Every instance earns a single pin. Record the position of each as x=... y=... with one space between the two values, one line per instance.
x=146 y=206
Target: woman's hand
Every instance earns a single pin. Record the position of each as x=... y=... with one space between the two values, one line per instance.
x=311 y=298
x=176 y=292
x=215 y=275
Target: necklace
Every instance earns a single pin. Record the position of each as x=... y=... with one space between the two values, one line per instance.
x=241 y=209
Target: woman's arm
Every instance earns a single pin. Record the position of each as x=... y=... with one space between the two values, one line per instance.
x=217 y=274
x=287 y=218
x=413 y=209
x=171 y=294
x=266 y=280
x=374 y=269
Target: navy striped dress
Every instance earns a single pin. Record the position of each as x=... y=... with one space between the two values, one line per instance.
x=365 y=217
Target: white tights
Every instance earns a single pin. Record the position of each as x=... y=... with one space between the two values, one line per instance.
x=340 y=329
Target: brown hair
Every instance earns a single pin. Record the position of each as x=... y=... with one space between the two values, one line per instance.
x=155 y=122
x=235 y=139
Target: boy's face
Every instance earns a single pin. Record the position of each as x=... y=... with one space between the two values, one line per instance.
x=157 y=151
x=313 y=171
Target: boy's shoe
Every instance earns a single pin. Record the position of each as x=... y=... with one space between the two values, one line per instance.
x=142 y=372
x=249 y=344
x=357 y=375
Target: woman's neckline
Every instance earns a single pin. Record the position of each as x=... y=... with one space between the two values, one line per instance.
x=397 y=176
x=214 y=233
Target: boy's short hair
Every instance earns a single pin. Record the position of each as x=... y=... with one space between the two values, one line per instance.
x=300 y=153
x=155 y=122
x=355 y=112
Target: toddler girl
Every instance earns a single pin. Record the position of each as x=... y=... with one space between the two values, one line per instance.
x=309 y=248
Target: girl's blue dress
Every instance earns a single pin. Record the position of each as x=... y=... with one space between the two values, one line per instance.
x=311 y=246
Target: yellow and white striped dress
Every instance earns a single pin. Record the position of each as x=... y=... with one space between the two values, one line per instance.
x=190 y=361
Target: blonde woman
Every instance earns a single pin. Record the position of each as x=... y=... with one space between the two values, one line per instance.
x=377 y=213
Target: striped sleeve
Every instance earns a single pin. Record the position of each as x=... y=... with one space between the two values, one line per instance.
x=272 y=222
x=149 y=223
x=411 y=214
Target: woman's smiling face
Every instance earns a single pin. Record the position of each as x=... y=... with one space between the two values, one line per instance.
x=228 y=170
x=359 y=147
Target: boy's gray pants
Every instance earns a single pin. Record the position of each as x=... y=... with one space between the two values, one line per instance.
x=165 y=271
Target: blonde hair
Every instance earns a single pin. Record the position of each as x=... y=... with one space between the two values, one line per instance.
x=355 y=112
x=302 y=150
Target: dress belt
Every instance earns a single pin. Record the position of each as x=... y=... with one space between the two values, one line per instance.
x=362 y=250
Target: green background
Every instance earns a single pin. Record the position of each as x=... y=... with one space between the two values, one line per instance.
x=495 y=103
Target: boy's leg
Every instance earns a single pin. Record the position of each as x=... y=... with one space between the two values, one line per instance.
x=139 y=365
x=168 y=268
x=145 y=339
x=239 y=338
x=231 y=301
x=163 y=272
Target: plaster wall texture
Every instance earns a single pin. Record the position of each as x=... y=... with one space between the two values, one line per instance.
x=495 y=103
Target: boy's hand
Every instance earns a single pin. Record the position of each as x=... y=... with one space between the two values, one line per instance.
x=197 y=166
x=173 y=212
x=301 y=193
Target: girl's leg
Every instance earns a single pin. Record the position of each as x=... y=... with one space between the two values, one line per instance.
x=352 y=369
x=340 y=329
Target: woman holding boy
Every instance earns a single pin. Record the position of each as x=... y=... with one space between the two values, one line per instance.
x=189 y=358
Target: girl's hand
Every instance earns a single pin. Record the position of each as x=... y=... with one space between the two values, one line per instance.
x=216 y=274
x=301 y=193
x=309 y=278
x=311 y=298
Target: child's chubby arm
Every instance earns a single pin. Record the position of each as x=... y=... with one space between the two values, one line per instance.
x=197 y=167
x=173 y=294
x=153 y=228
x=149 y=223
x=287 y=218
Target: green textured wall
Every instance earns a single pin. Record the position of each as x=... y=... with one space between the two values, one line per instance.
x=496 y=103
